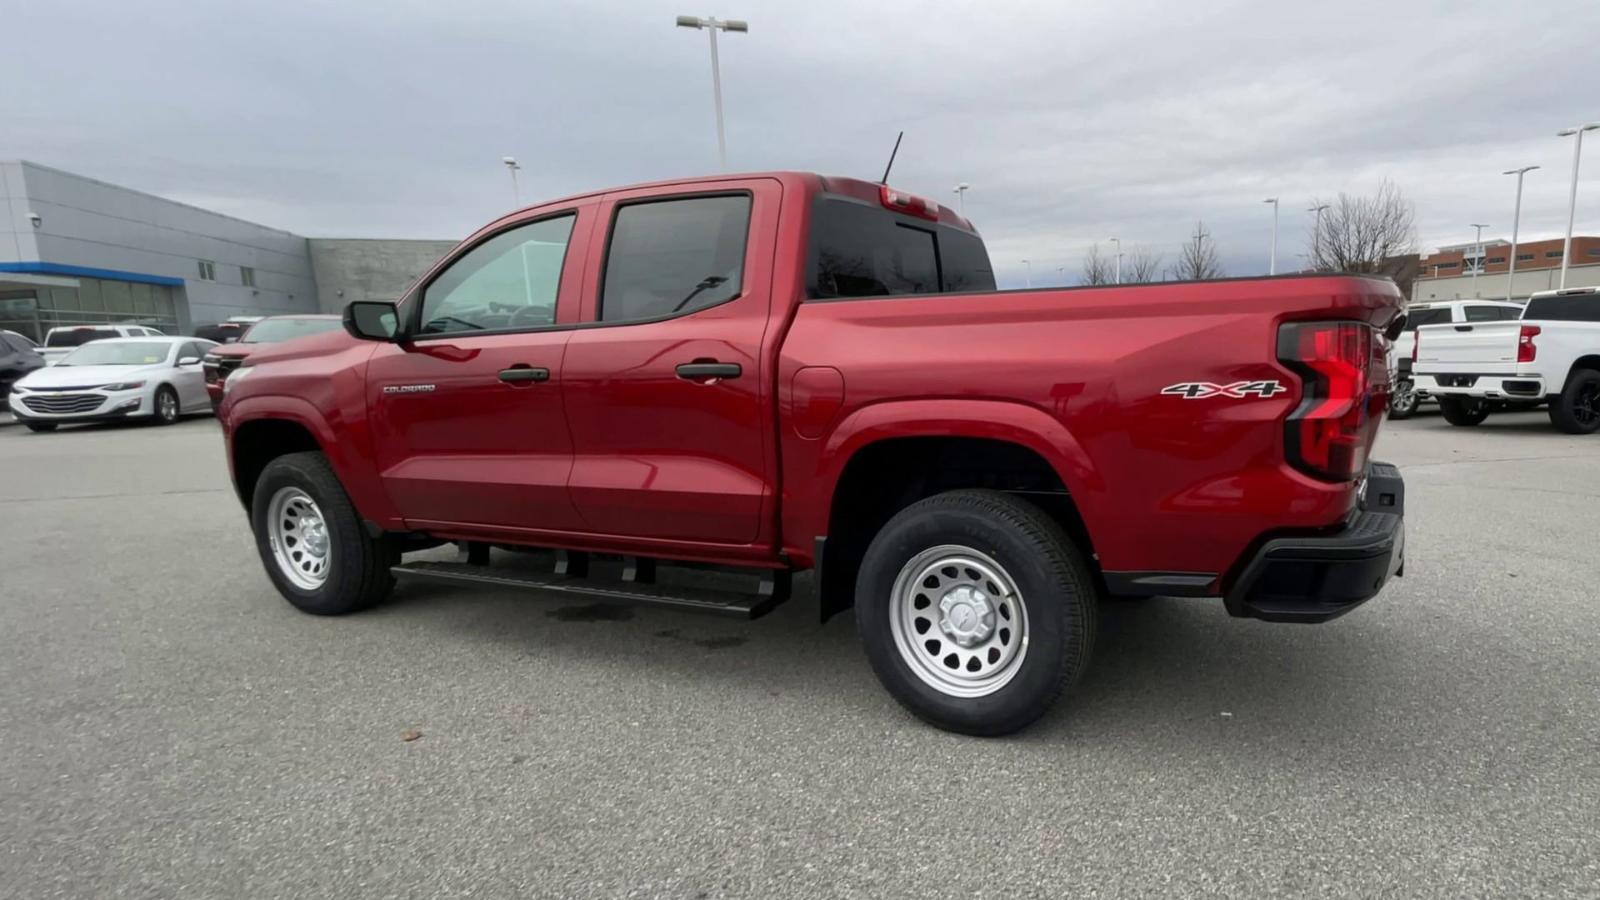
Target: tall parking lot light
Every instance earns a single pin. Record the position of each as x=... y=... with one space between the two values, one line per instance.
x=1316 y=232
x=715 y=25
x=1516 y=219
x=961 y=197
x=1477 y=264
x=510 y=162
x=1572 y=203
x=1272 y=264
x=1118 y=242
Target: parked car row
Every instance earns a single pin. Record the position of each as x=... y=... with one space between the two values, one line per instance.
x=1548 y=356
x=105 y=372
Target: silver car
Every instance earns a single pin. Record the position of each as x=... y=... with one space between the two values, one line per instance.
x=116 y=378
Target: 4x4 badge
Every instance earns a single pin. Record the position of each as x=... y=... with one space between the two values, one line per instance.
x=1196 y=390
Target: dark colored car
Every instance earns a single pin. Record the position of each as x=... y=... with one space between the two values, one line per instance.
x=221 y=361
x=18 y=357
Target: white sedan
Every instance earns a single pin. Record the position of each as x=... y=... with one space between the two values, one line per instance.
x=116 y=378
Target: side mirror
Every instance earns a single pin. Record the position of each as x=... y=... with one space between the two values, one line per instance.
x=372 y=320
x=188 y=361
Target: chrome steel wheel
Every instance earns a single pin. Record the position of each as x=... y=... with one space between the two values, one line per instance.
x=301 y=545
x=958 y=621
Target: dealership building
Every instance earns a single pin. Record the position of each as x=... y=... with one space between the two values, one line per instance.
x=1477 y=271
x=76 y=251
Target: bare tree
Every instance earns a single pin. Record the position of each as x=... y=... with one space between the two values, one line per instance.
x=1376 y=233
x=1197 y=259
x=1096 y=268
x=1141 y=266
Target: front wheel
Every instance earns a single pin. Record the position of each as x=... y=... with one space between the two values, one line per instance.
x=166 y=410
x=312 y=541
x=976 y=611
x=1403 y=401
x=1463 y=411
x=1577 y=409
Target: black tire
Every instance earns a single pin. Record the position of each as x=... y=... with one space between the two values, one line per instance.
x=1577 y=409
x=1463 y=411
x=1053 y=585
x=358 y=573
x=159 y=414
x=40 y=427
x=1403 y=401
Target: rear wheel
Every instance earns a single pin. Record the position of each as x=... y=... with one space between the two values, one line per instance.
x=976 y=611
x=40 y=426
x=1463 y=411
x=1403 y=402
x=311 y=540
x=1577 y=409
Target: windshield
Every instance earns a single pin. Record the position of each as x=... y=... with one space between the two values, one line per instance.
x=77 y=337
x=118 y=353
x=272 y=330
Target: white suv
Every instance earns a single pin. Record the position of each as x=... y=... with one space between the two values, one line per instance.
x=1405 y=398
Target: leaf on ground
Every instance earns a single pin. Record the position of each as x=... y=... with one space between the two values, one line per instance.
x=410 y=734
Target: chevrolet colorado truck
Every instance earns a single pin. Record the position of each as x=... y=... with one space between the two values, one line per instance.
x=765 y=374
x=1550 y=355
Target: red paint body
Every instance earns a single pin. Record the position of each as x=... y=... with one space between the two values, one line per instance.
x=617 y=453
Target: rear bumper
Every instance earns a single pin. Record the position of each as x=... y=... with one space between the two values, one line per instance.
x=1315 y=578
x=1487 y=387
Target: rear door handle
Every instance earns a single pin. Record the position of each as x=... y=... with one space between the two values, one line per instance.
x=697 y=370
x=517 y=374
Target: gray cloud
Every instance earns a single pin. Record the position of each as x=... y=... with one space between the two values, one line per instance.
x=1073 y=122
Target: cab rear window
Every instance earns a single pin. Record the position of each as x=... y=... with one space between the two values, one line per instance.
x=1571 y=308
x=77 y=337
x=1437 y=316
x=860 y=250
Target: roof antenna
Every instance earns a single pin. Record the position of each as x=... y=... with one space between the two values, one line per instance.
x=885 y=178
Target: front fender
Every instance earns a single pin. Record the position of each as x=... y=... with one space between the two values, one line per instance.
x=343 y=438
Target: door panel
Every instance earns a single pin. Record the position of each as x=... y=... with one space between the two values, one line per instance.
x=660 y=454
x=470 y=427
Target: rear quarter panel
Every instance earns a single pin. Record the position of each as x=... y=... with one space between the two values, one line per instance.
x=1163 y=483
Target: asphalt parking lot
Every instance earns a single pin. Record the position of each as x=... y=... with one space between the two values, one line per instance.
x=169 y=727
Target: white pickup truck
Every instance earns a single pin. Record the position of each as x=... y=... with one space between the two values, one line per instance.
x=1404 y=398
x=1551 y=355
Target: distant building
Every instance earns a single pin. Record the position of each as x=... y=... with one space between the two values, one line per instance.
x=76 y=251
x=1448 y=273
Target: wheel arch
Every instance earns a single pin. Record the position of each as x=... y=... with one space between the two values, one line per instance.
x=888 y=456
x=263 y=428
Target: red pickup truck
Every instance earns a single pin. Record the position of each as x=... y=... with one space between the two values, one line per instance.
x=780 y=372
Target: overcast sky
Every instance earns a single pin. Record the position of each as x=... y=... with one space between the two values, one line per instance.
x=1072 y=121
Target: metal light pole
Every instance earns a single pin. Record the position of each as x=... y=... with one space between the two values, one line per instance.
x=1316 y=231
x=510 y=163
x=1272 y=266
x=1572 y=204
x=961 y=197
x=1118 y=242
x=1516 y=219
x=1477 y=264
x=1028 y=267
x=715 y=25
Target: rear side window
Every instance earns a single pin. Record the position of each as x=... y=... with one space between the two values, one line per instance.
x=673 y=257
x=1572 y=308
x=1439 y=315
x=859 y=250
x=1483 y=314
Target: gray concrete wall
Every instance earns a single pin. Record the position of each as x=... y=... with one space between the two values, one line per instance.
x=349 y=269
x=17 y=242
x=1492 y=286
x=85 y=222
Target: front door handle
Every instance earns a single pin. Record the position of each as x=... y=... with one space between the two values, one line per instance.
x=696 y=371
x=517 y=374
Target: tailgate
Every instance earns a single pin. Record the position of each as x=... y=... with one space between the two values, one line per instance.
x=1482 y=348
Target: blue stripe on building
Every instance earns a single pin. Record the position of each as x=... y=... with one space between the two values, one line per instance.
x=45 y=268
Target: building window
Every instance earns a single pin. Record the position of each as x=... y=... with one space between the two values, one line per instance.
x=1496 y=259
x=247 y=276
x=1594 y=251
x=208 y=270
x=1449 y=265
x=1524 y=257
x=1553 y=254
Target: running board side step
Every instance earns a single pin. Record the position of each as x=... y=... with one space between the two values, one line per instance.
x=773 y=588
